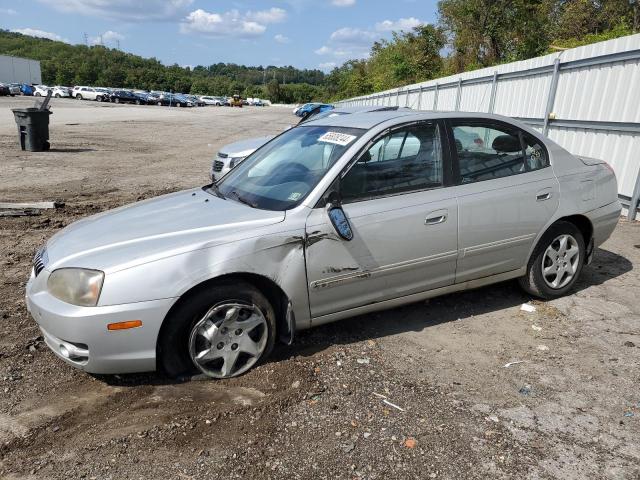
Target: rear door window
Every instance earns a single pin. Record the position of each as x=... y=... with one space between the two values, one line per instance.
x=487 y=151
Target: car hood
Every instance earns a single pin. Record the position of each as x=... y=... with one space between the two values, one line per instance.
x=245 y=147
x=153 y=229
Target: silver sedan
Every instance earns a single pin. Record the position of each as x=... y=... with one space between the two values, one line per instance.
x=338 y=217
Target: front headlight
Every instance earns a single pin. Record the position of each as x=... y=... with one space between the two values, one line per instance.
x=78 y=286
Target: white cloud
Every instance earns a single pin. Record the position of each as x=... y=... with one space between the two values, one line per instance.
x=107 y=37
x=34 y=32
x=356 y=43
x=353 y=36
x=281 y=38
x=343 y=3
x=405 y=24
x=8 y=11
x=326 y=66
x=273 y=15
x=138 y=10
x=230 y=23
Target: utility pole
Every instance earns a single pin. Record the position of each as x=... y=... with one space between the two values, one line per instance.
x=118 y=44
x=86 y=39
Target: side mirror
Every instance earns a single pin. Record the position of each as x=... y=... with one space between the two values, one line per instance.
x=339 y=221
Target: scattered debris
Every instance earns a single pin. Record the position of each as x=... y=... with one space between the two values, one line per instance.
x=363 y=361
x=31 y=205
x=628 y=414
x=19 y=213
x=393 y=405
x=543 y=348
x=525 y=390
x=629 y=344
x=536 y=327
x=525 y=307
x=379 y=395
x=348 y=447
x=493 y=418
x=410 y=442
x=507 y=365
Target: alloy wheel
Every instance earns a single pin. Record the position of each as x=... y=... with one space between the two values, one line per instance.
x=228 y=340
x=560 y=261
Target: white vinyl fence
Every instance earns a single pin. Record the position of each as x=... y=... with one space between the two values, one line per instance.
x=587 y=99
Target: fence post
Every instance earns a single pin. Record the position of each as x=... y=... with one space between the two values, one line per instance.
x=420 y=97
x=458 y=94
x=435 y=99
x=635 y=201
x=552 y=95
x=397 y=97
x=494 y=87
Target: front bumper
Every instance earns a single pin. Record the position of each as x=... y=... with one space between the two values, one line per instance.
x=79 y=335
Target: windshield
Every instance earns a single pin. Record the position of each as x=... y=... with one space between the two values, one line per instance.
x=281 y=174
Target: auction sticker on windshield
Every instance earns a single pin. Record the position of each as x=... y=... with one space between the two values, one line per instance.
x=338 y=138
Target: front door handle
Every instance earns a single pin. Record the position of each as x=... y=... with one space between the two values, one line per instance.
x=436 y=219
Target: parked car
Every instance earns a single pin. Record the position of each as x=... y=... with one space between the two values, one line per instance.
x=14 y=88
x=181 y=100
x=195 y=100
x=306 y=109
x=90 y=93
x=27 y=90
x=124 y=96
x=59 y=91
x=208 y=100
x=337 y=217
x=230 y=156
x=5 y=91
x=40 y=91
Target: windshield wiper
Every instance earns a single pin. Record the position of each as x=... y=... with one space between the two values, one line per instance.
x=243 y=200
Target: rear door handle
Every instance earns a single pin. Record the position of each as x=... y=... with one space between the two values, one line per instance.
x=434 y=218
x=543 y=195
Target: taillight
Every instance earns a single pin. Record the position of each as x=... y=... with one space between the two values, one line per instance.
x=610 y=168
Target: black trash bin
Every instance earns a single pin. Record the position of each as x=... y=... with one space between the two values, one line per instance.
x=33 y=128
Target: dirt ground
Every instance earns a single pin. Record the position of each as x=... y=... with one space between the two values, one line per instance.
x=569 y=410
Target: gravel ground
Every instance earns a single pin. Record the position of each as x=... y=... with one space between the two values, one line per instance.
x=415 y=392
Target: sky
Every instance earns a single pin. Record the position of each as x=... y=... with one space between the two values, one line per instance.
x=303 y=33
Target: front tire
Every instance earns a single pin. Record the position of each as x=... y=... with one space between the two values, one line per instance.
x=222 y=331
x=556 y=262
x=78 y=97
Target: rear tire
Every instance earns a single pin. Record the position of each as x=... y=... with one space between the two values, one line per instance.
x=98 y=98
x=78 y=97
x=57 y=95
x=556 y=262
x=37 y=94
x=175 y=346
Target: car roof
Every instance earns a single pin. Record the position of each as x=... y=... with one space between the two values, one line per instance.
x=368 y=120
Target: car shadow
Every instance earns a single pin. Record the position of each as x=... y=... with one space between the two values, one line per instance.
x=72 y=150
x=455 y=307
x=447 y=308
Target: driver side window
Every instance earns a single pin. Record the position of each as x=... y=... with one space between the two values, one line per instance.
x=405 y=160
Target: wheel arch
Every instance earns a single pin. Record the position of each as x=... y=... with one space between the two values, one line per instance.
x=581 y=222
x=269 y=288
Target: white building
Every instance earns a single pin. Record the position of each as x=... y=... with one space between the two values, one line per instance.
x=19 y=70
